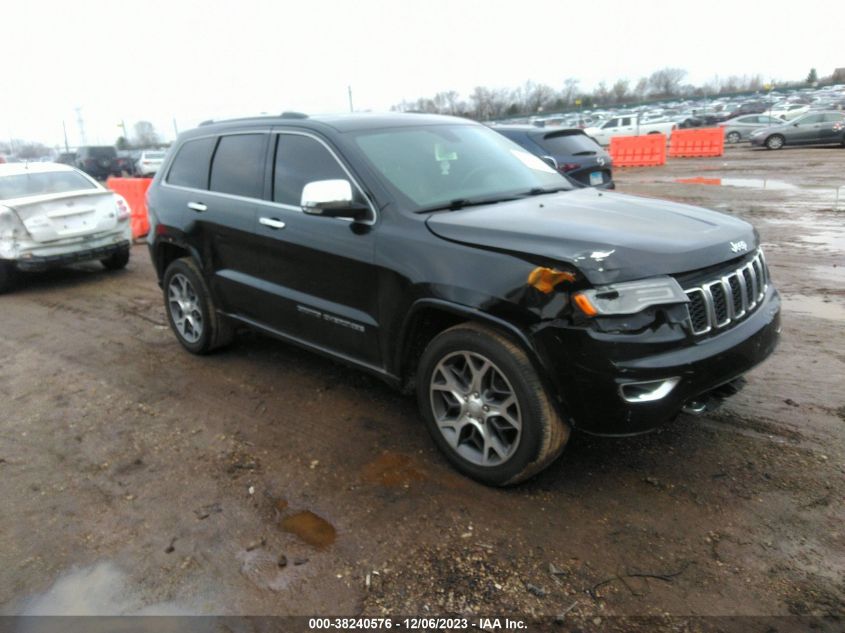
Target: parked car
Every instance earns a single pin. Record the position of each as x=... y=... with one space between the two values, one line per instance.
x=570 y=151
x=788 y=111
x=149 y=162
x=740 y=128
x=53 y=215
x=98 y=161
x=750 y=107
x=125 y=163
x=442 y=257
x=814 y=128
x=66 y=158
x=628 y=126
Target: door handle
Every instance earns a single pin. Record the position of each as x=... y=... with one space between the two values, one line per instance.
x=197 y=206
x=273 y=223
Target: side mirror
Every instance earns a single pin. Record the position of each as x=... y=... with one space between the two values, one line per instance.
x=332 y=199
x=550 y=161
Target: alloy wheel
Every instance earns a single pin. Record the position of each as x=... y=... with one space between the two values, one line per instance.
x=475 y=408
x=185 y=310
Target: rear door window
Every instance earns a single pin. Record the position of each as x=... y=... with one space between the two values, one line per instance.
x=190 y=167
x=300 y=160
x=238 y=165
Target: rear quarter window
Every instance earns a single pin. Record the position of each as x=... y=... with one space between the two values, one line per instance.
x=191 y=166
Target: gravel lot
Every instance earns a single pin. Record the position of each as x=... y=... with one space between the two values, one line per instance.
x=266 y=480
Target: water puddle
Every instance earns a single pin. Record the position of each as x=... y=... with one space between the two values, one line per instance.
x=311 y=528
x=814 y=306
x=831 y=239
x=392 y=470
x=748 y=183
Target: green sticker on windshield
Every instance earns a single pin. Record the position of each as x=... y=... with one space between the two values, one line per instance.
x=441 y=154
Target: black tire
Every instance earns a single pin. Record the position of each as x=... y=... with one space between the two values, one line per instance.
x=117 y=260
x=215 y=330
x=775 y=141
x=8 y=277
x=543 y=433
x=733 y=137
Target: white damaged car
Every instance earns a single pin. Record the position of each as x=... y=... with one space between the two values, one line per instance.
x=52 y=215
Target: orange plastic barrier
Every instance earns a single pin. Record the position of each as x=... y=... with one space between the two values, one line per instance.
x=638 y=151
x=695 y=143
x=135 y=192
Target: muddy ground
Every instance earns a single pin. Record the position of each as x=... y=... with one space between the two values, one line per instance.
x=136 y=478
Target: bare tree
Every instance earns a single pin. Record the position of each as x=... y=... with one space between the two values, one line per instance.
x=641 y=89
x=536 y=97
x=665 y=82
x=620 y=90
x=601 y=94
x=570 y=90
x=146 y=135
x=28 y=150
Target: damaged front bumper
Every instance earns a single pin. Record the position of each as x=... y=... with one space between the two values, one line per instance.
x=625 y=384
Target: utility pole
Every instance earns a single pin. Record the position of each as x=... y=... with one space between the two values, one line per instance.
x=175 y=127
x=349 y=90
x=64 y=129
x=80 y=122
x=125 y=133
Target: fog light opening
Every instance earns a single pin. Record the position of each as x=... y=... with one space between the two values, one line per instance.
x=648 y=391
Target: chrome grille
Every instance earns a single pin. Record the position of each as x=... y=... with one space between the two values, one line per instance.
x=717 y=303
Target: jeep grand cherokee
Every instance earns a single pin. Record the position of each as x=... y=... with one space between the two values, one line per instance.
x=437 y=254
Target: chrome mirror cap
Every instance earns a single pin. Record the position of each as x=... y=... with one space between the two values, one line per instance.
x=322 y=195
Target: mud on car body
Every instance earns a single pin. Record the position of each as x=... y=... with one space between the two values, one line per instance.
x=449 y=261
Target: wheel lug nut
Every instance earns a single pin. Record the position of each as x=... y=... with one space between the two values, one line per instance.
x=486 y=408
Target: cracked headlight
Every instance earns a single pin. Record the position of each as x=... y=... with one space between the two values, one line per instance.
x=629 y=297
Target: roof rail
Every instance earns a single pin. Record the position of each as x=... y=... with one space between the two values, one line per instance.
x=283 y=115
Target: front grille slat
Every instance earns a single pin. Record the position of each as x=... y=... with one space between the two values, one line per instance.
x=715 y=304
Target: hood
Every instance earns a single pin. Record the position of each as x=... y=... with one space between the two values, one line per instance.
x=609 y=237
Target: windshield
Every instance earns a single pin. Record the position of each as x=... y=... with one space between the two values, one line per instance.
x=428 y=166
x=154 y=155
x=40 y=183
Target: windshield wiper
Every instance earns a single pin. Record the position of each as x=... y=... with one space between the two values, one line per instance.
x=538 y=191
x=460 y=203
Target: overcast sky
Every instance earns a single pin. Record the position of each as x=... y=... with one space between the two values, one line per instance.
x=190 y=61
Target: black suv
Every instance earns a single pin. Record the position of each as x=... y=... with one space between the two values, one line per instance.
x=440 y=256
x=569 y=150
x=98 y=161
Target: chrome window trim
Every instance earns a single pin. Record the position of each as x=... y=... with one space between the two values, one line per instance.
x=272 y=203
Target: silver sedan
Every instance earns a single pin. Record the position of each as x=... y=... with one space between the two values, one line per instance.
x=740 y=128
